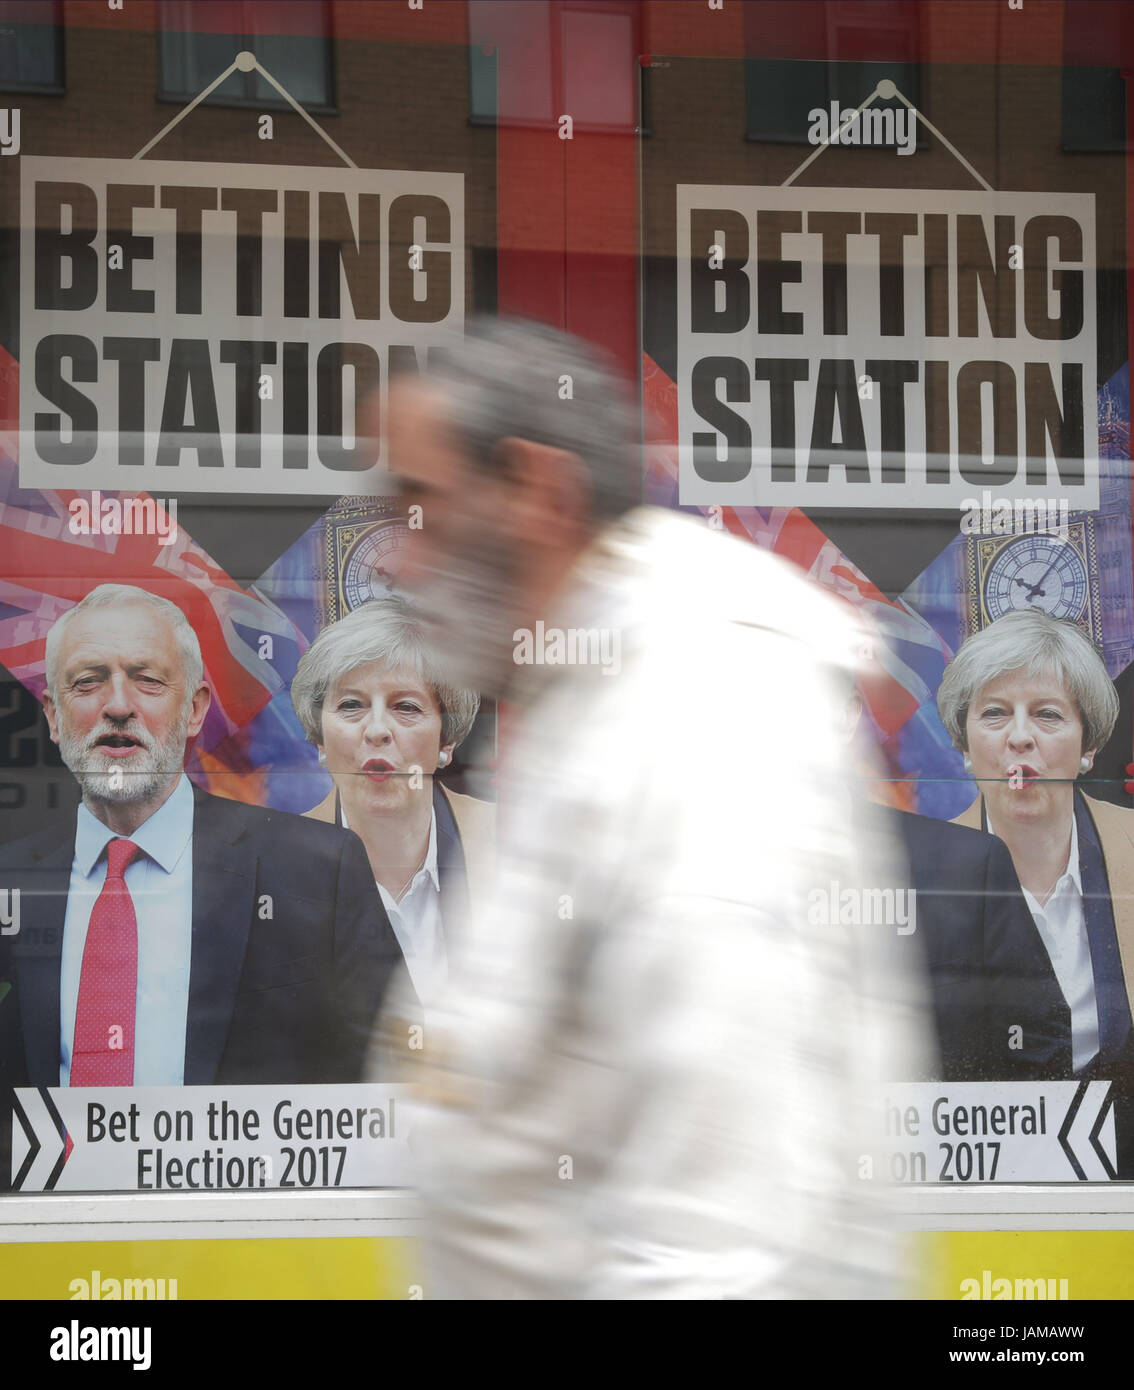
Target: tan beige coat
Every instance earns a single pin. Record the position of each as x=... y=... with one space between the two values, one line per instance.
x=398 y=1044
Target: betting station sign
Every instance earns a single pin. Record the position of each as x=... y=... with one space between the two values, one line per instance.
x=191 y=327
x=885 y=348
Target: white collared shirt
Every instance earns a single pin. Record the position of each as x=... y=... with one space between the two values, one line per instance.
x=1062 y=923
x=160 y=882
x=416 y=921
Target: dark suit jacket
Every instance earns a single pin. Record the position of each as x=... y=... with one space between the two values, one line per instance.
x=291 y=950
x=466 y=865
x=466 y=848
x=998 y=1010
x=1106 y=864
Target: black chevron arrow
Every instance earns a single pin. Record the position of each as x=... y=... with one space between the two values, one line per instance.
x=61 y=1128
x=1065 y=1130
x=1104 y=1110
x=33 y=1144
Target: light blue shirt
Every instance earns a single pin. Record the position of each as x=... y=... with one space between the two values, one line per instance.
x=160 y=881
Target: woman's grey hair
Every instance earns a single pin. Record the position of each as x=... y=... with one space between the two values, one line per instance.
x=107 y=596
x=386 y=630
x=1037 y=644
x=513 y=378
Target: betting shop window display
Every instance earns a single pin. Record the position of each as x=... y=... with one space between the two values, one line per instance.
x=207 y=882
x=884 y=335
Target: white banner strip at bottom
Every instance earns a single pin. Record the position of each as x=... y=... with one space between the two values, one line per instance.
x=210 y=1138
x=999 y=1131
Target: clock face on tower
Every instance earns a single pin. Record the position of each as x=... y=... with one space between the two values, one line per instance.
x=363 y=542
x=1007 y=574
x=1037 y=572
x=370 y=564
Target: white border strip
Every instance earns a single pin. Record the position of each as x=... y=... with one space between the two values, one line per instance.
x=1010 y=1207
x=208 y=1216
x=116 y=1232
x=398 y=1212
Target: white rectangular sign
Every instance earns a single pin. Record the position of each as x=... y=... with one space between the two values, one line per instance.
x=210 y=1138
x=190 y=327
x=999 y=1131
x=885 y=348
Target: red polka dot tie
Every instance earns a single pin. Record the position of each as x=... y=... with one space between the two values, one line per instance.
x=103 y=1051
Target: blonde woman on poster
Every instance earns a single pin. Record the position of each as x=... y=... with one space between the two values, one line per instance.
x=1029 y=702
x=384 y=722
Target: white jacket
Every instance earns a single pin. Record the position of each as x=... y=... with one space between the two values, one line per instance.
x=660 y=1078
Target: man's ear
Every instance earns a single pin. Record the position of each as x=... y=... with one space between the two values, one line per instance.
x=550 y=490
x=52 y=717
x=202 y=699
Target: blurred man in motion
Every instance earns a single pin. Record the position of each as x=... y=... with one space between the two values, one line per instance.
x=654 y=1074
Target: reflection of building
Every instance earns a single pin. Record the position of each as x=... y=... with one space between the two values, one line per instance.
x=123 y=82
x=103 y=84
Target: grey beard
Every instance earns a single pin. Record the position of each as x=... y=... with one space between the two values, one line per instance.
x=469 y=614
x=94 y=770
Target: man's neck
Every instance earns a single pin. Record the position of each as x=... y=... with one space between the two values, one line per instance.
x=124 y=817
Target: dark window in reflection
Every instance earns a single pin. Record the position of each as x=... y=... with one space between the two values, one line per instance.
x=301 y=62
x=1094 y=111
x=779 y=96
x=31 y=53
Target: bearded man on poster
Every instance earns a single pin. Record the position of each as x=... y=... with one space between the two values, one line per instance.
x=168 y=936
x=650 y=1075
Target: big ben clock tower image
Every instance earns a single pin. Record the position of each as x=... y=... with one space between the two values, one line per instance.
x=1059 y=576
x=362 y=539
